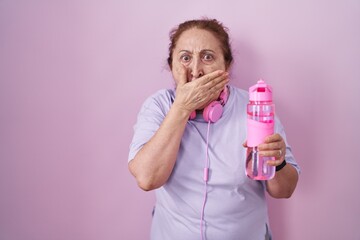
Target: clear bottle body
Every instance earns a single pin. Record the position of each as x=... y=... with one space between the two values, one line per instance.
x=260 y=125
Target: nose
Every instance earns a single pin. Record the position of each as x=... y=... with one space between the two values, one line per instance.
x=196 y=68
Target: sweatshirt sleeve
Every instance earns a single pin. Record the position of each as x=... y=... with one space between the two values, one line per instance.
x=289 y=157
x=149 y=119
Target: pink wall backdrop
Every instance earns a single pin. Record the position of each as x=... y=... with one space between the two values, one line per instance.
x=73 y=75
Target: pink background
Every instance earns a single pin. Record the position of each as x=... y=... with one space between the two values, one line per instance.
x=73 y=75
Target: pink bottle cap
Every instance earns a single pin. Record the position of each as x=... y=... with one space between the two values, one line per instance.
x=260 y=92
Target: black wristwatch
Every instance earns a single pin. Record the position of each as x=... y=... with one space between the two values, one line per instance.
x=278 y=168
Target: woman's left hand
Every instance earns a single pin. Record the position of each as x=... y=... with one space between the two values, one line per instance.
x=274 y=146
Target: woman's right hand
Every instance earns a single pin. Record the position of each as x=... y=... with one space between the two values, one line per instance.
x=197 y=94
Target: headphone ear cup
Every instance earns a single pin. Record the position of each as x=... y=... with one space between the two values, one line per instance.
x=213 y=112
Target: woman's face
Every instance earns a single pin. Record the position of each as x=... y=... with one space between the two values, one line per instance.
x=199 y=51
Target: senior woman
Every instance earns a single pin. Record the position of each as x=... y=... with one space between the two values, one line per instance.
x=176 y=135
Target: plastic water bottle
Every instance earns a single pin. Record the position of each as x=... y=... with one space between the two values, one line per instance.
x=260 y=124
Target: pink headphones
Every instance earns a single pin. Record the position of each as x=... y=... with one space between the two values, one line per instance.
x=213 y=112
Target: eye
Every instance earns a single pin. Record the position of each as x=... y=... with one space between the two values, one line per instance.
x=207 y=57
x=185 y=58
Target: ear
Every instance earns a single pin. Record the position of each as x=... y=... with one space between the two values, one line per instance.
x=169 y=62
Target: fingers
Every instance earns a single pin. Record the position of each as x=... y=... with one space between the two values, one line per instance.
x=217 y=78
x=214 y=83
x=209 y=86
x=210 y=76
x=275 y=162
x=272 y=142
x=274 y=146
x=273 y=138
x=271 y=146
x=198 y=93
x=277 y=154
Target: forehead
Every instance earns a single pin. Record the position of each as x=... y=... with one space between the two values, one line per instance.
x=197 y=39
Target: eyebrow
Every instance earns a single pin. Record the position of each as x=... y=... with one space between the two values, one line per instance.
x=203 y=50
